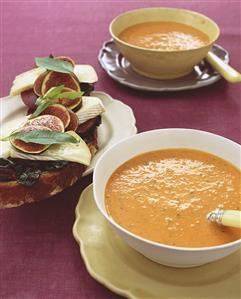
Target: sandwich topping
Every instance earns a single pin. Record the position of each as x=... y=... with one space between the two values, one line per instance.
x=62 y=120
x=26 y=172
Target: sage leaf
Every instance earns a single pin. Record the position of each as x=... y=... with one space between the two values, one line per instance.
x=56 y=65
x=45 y=137
x=38 y=101
x=71 y=95
x=40 y=108
x=53 y=92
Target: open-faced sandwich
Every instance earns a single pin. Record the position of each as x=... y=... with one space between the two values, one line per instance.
x=54 y=144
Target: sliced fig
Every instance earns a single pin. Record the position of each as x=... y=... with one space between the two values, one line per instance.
x=55 y=79
x=69 y=103
x=66 y=58
x=60 y=111
x=74 y=121
x=37 y=87
x=29 y=98
x=52 y=122
x=30 y=147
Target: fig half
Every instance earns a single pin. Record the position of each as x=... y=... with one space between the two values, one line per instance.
x=69 y=103
x=37 y=87
x=60 y=111
x=66 y=58
x=74 y=121
x=54 y=79
x=29 y=147
x=52 y=122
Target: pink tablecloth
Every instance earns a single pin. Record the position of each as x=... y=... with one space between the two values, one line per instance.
x=38 y=255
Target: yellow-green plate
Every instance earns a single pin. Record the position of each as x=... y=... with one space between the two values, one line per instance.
x=126 y=272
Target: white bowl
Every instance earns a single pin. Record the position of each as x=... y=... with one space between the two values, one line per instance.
x=154 y=140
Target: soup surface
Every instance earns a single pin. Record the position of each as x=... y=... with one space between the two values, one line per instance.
x=165 y=36
x=165 y=195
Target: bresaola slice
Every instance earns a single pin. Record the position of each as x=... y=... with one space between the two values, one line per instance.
x=29 y=147
x=87 y=126
x=29 y=98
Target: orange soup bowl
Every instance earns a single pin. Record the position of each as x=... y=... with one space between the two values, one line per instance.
x=151 y=141
x=159 y=64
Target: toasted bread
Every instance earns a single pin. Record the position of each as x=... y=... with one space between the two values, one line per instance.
x=13 y=194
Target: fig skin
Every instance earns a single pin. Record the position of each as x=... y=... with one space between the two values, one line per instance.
x=74 y=121
x=60 y=111
x=30 y=147
x=37 y=87
x=70 y=104
x=52 y=122
x=29 y=98
x=53 y=79
x=66 y=58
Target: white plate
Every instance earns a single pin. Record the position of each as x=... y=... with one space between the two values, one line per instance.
x=118 y=121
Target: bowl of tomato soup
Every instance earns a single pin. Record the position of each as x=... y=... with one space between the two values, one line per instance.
x=163 y=43
x=156 y=188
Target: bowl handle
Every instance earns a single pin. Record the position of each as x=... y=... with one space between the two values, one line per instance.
x=225 y=70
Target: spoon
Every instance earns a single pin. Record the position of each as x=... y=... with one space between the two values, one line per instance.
x=225 y=217
x=225 y=70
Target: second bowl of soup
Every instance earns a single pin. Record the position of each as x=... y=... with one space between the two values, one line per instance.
x=157 y=187
x=163 y=43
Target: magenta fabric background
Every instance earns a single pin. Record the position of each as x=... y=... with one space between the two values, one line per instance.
x=38 y=255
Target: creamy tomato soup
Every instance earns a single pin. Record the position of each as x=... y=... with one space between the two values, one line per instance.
x=165 y=195
x=165 y=36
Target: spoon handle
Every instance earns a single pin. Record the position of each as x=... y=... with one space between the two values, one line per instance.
x=225 y=217
x=232 y=218
x=225 y=70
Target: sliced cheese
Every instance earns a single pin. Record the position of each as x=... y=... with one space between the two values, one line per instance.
x=91 y=107
x=12 y=116
x=84 y=72
x=73 y=152
x=4 y=149
x=36 y=71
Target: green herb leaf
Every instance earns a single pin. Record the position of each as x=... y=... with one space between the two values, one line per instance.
x=53 y=92
x=41 y=107
x=56 y=65
x=38 y=101
x=45 y=137
x=42 y=103
x=71 y=95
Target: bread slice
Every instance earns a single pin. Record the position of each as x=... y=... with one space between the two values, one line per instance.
x=50 y=182
x=13 y=194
